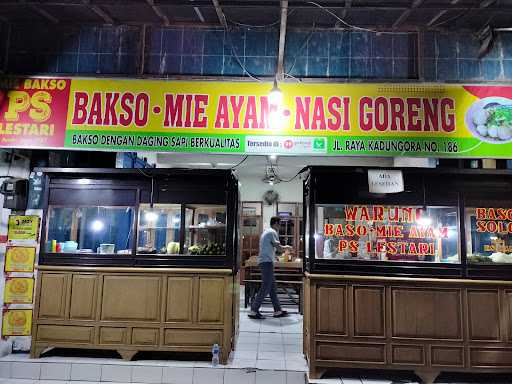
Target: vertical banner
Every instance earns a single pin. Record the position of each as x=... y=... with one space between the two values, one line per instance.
x=20 y=259
x=23 y=228
x=17 y=322
x=19 y=290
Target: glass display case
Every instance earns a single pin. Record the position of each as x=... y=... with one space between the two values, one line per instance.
x=453 y=223
x=159 y=229
x=387 y=233
x=489 y=235
x=154 y=218
x=205 y=229
x=87 y=230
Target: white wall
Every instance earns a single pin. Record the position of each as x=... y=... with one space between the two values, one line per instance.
x=253 y=189
x=18 y=167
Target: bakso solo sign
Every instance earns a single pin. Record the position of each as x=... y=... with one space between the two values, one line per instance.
x=240 y=117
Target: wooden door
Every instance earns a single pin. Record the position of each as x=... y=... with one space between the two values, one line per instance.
x=54 y=293
x=211 y=300
x=84 y=290
x=180 y=299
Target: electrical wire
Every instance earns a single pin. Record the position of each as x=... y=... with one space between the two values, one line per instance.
x=301 y=48
x=235 y=55
x=240 y=163
x=355 y=27
x=143 y=173
x=258 y=26
x=275 y=174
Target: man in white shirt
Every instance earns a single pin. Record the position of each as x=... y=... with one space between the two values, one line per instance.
x=269 y=243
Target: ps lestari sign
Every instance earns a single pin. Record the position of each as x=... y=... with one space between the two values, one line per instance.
x=428 y=120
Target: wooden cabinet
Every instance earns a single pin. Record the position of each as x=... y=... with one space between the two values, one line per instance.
x=52 y=305
x=132 y=309
x=425 y=325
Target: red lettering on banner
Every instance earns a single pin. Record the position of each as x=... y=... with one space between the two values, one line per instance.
x=127 y=100
x=95 y=110
x=413 y=106
x=302 y=112
x=397 y=107
x=80 y=109
x=188 y=108
x=381 y=114
x=200 y=119
x=236 y=106
x=110 y=108
x=141 y=109
x=365 y=119
x=318 y=114
x=431 y=112
x=346 y=112
x=222 y=114
x=334 y=122
x=173 y=110
x=448 y=115
x=251 y=117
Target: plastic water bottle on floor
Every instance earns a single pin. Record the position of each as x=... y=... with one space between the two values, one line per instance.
x=215 y=355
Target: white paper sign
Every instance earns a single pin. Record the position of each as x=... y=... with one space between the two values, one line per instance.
x=385 y=181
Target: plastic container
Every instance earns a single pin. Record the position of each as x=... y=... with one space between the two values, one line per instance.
x=215 y=355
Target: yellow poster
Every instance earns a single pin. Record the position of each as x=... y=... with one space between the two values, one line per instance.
x=23 y=228
x=20 y=259
x=17 y=322
x=18 y=290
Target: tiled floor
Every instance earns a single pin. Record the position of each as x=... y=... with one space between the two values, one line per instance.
x=268 y=352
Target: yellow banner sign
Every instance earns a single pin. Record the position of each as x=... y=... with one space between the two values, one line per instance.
x=23 y=227
x=18 y=290
x=437 y=120
x=17 y=322
x=20 y=259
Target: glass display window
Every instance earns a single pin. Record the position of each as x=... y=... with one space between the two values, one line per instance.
x=159 y=229
x=489 y=235
x=387 y=233
x=90 y=230
x=205 y=226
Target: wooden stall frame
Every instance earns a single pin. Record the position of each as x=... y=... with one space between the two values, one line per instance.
x=106 y=328
x=481 y=340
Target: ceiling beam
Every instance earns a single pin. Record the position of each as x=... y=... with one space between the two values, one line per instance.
x=486 y=3
x=98 y=11
x=405 y=14
x=220 y=14
x=159 y=12
x=296 y=4
x=441 y=13
x=36 y=8
x=348 y=4
x=282 y=40
x=198 y=12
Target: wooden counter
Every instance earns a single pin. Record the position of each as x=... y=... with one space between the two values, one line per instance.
x=424 y=325
x=135 y=309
